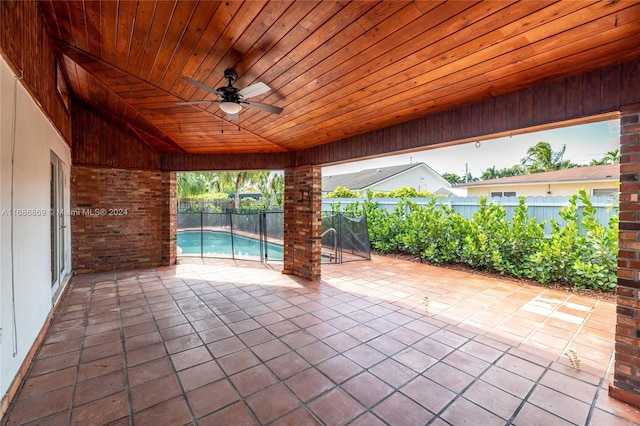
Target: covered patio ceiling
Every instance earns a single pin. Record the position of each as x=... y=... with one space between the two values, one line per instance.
x=337 y=68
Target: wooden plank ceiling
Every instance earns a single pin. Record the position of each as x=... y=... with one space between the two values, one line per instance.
x=337 y=68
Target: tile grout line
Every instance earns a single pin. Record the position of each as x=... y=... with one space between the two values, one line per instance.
x=124 y=350
x=84 y=336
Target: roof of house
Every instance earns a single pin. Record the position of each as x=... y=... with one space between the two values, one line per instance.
x=608 y=172
x=366 y=178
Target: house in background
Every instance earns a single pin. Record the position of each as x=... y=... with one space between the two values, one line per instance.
x=386 y=179
x=596 y=180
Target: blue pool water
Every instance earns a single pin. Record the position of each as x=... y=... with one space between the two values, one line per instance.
x=219 y=243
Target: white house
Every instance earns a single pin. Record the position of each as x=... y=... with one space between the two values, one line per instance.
x=385 y=179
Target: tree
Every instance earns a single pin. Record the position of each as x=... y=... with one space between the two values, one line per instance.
x=611 y=157
x=541 y=158
x=190 y=185
x=271 y=185
x=452 y=178
x=341 y=192
x=490 y=173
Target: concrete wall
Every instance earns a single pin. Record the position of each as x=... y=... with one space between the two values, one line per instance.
x=25 y=267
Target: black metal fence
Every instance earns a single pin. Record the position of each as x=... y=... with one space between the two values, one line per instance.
x=249 y=236
x=345 y=238
x=259 y=236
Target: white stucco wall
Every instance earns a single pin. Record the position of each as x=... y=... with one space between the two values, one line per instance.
x=26 y=267
x=419 y=178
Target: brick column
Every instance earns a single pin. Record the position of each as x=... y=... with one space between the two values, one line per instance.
x=626 y=380
x=169 y=218
x=302 y=222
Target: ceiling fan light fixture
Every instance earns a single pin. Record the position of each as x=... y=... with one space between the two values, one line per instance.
x=230 y=107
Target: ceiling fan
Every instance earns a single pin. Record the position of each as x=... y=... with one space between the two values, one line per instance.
x=232 y=99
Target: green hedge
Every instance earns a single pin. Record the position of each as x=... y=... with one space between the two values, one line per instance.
x=582 y=253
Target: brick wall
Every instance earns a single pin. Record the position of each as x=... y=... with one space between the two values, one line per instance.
x=626 y=385
x=121 y=218
x=303 y=222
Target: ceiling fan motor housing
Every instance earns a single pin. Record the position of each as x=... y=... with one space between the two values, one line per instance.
x=229 y=93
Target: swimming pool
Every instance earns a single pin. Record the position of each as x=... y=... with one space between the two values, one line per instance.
x=216 y=243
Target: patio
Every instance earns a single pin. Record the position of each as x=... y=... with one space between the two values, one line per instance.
x=382 y=342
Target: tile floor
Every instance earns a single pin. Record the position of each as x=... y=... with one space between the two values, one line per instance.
x=381 y=342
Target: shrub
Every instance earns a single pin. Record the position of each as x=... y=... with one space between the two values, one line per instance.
x=582 y=252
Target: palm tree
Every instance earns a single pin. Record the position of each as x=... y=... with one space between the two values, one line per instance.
x=189 y=185
x=611 y=157
x=490 y=173
x=541 y=158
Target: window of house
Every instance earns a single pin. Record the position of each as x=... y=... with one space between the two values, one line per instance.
x=496 y=194
x=604 y=191
x=503 y=194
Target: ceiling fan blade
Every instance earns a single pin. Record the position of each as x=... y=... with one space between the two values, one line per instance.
x=200 y=85
x=263 y=107
x=196 y=102
x=254 y=90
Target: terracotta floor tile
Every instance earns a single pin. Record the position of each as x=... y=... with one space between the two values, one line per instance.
x=287 y=365
x=177 y=331
x=449 y=377
x=508 y=381
x=367 y=389
x=341 y=341
x=183 y=343
x=398 y=409
x=227 y=346
x=308 y=384
x=58 y=348
x=141 y=340
x=151 y=393
x=428 y=393
x=91 y=390
x=100 y=367
x=520 y=367
x=143 y=373
x=29 y=409
x=339 y=368
x=212 y=397
x=200 y=375
x=530 y=415
x=492 y=399
x=561 y=405
x=145 y=354
x=54 y=363
x=272 y=403
x=463 y=411
x=101 y=411
x=367 y=419
x=362 y=315
x=190 y=358
x=387 y=345
x=271 y=349
x=393 y=372
x=336 y=407
x=44 y=383
x=299 y=417
x=234 y=415
x=465 y=362
x=253 y=380
x=404 y=335
x=172 y=412
x=415 y=359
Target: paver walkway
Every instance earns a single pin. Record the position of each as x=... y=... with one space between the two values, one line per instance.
x=220 y=342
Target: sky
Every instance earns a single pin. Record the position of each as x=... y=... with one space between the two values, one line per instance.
x=584 y=143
